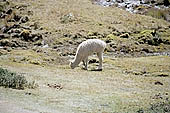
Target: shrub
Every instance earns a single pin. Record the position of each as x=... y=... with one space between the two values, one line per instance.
x=160 y=14
x=13 y=80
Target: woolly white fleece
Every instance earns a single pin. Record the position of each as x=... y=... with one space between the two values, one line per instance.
x=86 y=49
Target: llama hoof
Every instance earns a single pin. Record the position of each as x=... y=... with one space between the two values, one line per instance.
x=96 y=70
x=84 y=68
x=99 y=69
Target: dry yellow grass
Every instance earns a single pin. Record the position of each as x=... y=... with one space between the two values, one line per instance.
x=118 y=88
x=125 y=84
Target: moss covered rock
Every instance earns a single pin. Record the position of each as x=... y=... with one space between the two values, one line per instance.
x=149 y=37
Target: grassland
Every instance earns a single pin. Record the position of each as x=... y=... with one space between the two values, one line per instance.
x=131 y=82
x=125 y=85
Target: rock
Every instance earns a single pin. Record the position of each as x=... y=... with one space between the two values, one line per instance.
x=67 y=18
x=5 y=29
x=5 y=42
x=30 y=13
x=35 y=37
x=132 y=6
x=14 y=31
x=2 y=36
x=57 y=86
x=35 y=61
x=28 y=93
x=17 y=18
x=25 y=34
x=3 y=52
x=34 y=25
x=108 y=41
x=16 y=25
x=149 y=37
x=9 y=11
x=166 y=41
x=162 y=2
x=163 y=75
x=158 y=83
x=110 y=49
x=24 y=19
x=26 y=27
x=166 y=2
x=145 y=1
x=126 y=35
x=155 y=41
x=15 y=35
x=2 y=15
x=119 y=1
x=146 y=50
x=167 y=17
x=28 y=35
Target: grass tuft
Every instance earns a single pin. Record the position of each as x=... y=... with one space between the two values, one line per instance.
x=13 y=80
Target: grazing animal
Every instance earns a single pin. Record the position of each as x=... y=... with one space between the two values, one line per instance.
x=86 y=49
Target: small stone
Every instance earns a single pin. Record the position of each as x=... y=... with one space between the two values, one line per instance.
x=15 y=35
x=2 y=36
x=158 y=83
x=163 y=75
x=2 y=15
x=126 y=35
x=14 y=31
x=17 y=18
x=25 y=34
x=5 y=42
x=167 y=17
x=27 y=93
x=119 y=1
x=4 y=29
x=24 y=19
x=9 y=11
x=15 y=26
x=30 y=12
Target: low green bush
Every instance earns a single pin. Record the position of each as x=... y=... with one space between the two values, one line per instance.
x=13 y=80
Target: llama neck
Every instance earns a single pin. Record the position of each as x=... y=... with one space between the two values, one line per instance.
x=77 y=59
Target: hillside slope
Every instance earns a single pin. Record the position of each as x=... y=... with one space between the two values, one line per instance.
x=67 y=23
x=38 y=38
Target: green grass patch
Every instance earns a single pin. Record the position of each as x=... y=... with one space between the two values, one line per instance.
x=13 y=80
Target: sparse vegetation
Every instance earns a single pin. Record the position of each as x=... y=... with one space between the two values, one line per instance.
x=13 y=80
x=159 y=107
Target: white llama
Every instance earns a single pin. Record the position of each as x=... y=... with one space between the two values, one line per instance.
x=87 y=48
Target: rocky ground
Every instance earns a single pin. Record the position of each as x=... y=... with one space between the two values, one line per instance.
x=39 y=38
x=154 y=8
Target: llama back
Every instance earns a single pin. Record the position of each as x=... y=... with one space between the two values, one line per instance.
x=90 y=46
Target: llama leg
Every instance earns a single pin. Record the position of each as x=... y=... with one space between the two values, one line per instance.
x=100 y=56
x=85 y=62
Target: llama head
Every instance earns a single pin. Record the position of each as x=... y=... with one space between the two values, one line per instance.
x=72 y=65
